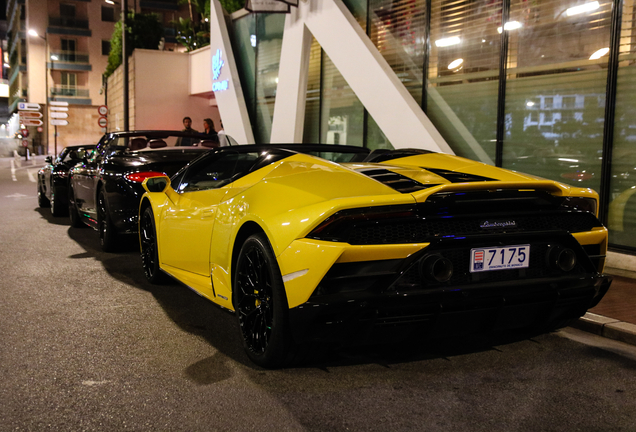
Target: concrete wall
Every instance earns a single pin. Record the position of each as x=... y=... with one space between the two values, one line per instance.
x=37 y=18
x=159 y=92
x=201 y=72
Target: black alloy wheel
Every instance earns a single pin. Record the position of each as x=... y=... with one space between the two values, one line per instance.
x=73 y=214
x=149 y=249
x=105 y=226
x=261 y=304
x=57 y=209
x=43 y=201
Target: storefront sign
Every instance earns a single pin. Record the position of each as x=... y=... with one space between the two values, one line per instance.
x=217 y=65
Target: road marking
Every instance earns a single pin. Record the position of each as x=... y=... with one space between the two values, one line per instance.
x=13 y=170
x=18 y=196
x=30 y=172
x=93 y=383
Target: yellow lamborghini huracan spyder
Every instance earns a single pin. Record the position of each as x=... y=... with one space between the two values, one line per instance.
x=327 y=243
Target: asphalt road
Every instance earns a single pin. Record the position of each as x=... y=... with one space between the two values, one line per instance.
x=87 y=344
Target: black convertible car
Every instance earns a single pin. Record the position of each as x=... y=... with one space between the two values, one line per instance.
x=104 y=190
x=53 y=178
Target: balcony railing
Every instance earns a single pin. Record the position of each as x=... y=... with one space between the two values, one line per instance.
x=69 y=57
x=68 y=22
x=71 y=91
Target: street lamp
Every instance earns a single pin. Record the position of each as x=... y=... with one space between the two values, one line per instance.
x=124 y=57
x=34 y=33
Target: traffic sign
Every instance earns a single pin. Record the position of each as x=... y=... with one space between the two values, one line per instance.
x=25 y=143
x=102 y=122
x=40 y=129
x=30 y=114
x=102 y=110
x=56 y=122
x=54 y=108
x=58 y=103
x=24 y=132
x=55 y=114
x=28 y=106
x=32 y=122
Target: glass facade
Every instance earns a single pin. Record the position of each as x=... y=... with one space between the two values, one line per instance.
x=622 y=190
x=534 y=86
x=463 y=73
x=269 y=37
x=257 y=41
x=555 y=91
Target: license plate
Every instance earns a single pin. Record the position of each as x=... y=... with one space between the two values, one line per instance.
x=499 y=258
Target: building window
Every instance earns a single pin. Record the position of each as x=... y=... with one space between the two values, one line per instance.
x=463 y=74
x=67 y=10
x=622 y=196
x=68 y=50
x=68 y=45
x=108 y=14
x=565 y=147
x=69 y=80
x=105 y=47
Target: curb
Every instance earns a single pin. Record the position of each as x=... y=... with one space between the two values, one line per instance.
x=607 y=327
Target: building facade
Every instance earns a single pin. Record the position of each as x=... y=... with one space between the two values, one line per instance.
x=544 y=87
x=58 y=51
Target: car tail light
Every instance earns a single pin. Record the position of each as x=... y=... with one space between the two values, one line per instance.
x=139 y=177
x=581 y=204
x=337 y=226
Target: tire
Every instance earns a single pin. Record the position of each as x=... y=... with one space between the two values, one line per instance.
x=43 y=201
x=73 y=214
x=149 y=249
x=105 y=226
x=261 y=305
x=57 y=209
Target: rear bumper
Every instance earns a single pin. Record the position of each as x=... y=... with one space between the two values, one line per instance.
x=362 y=317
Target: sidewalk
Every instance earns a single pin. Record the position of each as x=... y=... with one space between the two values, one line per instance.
x=615 y=316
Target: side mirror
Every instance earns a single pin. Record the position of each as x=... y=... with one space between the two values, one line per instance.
x=156 y=184
x=48 y=159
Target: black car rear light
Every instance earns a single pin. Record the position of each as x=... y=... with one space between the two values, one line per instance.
x=335 y=227
x=581 y=204
x=139 y=177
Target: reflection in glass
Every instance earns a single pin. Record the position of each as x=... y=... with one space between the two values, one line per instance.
x=622 y=198
x=342 y=113
x=398 y=30
x=245 y=53
x=311 y=132
x=555 y=95
x=269 y=34
x=463 y=75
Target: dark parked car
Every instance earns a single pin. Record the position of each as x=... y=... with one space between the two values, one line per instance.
x=105 y=189
x=53 y=178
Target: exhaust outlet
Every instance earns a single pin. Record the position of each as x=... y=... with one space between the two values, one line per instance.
x=436 y=268
x=561 y=258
